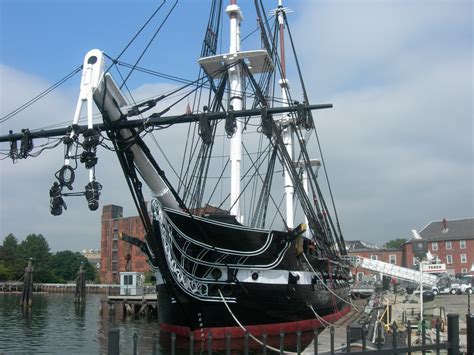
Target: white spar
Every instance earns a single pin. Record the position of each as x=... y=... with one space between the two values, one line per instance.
x=108 y=97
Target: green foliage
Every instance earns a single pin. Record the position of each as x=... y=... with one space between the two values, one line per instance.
x=36 y=248
x=60 y=267
x=395 y=243
x=65 y=265
x=10 y=266
x=4 y=271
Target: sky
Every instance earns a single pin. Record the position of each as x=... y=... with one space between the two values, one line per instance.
x=398 y=143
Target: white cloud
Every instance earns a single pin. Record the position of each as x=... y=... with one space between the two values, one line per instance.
x=399 y=141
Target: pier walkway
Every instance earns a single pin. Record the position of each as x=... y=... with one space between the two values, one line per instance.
x=65 y=288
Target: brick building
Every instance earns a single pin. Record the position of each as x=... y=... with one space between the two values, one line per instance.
x=452 y=242
x=114 y=252
x=371 y=251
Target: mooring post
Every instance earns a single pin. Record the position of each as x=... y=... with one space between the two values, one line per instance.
x=409 y=336
x=80 y=294
x=282 y=340
x=453 y=334
x=298 y=341
x=209 y=344
x=470 y=333
x=135 y=343
x=191 y=343
x=264 y=343
x=173 y=343
x=331 y=333
x=316 y=334
x=227 y=343
x=246 y=343
x=114 y=342
x=364 y=337
x=27 y=293
x=423 y=334
x=438 y=338
x=348 y=338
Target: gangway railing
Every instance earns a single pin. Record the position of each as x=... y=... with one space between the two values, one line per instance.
x=393 y=270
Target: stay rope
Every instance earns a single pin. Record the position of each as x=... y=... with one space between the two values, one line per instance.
x=246 y=331
x=329 y=289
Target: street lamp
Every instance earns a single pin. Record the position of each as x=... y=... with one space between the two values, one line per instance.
x=420 y=249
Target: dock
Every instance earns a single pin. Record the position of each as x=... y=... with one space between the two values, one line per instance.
x=16 y=287
x=131 y=305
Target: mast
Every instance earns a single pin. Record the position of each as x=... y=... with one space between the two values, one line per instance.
x=285 y=121
x=236 y=103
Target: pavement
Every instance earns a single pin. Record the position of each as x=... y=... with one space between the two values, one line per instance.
x=440 y=307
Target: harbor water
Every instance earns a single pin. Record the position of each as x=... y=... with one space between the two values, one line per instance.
x=55 y=325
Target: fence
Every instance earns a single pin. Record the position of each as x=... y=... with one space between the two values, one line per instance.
x=399 y=341
x=67 y=288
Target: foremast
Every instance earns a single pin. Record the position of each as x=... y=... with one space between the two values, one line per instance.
x=236 y=103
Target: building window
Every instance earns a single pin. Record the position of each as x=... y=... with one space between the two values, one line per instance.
x=374 y=257
x=392 y=259
x=434 y=246
x=449 y=246
x=463 y=259
x=463 y=271
x=415 y=261
x=462 y=244
x=360 y=276
x=128 y=279
x=449 y=259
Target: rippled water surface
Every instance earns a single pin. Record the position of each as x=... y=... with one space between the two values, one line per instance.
x=55 y=325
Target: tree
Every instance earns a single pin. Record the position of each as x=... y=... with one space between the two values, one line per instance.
x=65 y=265
x=395 y=243
x=10 y=266
x=37 y=248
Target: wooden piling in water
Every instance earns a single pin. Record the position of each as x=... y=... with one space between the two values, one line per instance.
x=80 y=293
x=27 y=292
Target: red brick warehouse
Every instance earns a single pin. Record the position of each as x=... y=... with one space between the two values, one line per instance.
x=450 y=241
x=114 y=252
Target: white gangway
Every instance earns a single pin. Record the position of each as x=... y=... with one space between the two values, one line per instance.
x=392 y=270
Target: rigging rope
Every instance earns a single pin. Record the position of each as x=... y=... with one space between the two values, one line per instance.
x=140 y=30
x=149 y=43
x=342 y=244
x=250 y=334
x=41 y=95
x=329 y=289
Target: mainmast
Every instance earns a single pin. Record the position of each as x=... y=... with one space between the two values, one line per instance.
x=236 y=103
x=285 y=120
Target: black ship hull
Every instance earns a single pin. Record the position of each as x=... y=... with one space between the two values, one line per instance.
x=216 y=275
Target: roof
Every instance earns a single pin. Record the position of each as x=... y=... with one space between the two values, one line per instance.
x=455 y=229
x=360 y=245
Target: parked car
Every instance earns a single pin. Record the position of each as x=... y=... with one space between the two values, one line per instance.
x=447 y=285
x=466 y=284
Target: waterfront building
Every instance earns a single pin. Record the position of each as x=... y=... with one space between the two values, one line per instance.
x=115 y=254
x=374 y=252
x=449 y=241
x=93 y=256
